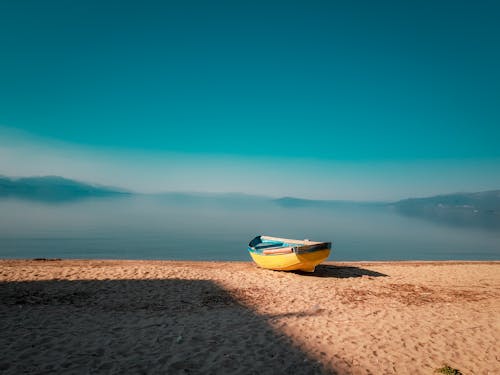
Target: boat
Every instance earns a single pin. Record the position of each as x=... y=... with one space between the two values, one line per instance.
x=284 y=254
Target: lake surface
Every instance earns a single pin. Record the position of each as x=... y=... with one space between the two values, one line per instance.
x=147 y=227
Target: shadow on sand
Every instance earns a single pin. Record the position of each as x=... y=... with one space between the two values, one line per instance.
x=143 y=326
x=341 y=272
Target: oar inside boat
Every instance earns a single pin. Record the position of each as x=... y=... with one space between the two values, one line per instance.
x=284 y=250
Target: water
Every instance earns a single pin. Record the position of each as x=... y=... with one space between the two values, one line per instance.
x=145 y=227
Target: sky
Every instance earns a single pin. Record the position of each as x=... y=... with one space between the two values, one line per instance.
x=357 y=100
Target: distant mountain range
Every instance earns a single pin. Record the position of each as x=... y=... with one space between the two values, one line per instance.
x=58 y=189
x=52 y=189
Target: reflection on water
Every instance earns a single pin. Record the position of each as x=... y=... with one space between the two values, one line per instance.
x=183 y=227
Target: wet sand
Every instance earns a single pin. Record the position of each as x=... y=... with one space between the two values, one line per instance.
x=152 y=317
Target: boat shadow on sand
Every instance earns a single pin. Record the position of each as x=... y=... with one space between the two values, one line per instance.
x=171 y=326
x=340 y=272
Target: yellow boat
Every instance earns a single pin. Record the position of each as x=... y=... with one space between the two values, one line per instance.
x=283 y=254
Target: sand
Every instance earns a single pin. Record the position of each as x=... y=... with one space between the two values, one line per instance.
x=164 y=317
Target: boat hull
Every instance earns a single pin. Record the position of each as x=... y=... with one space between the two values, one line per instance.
x=291 y=262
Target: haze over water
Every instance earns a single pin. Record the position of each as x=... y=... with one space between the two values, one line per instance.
x=154 y=227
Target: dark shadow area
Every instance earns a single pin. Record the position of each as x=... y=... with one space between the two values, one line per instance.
x=340 y=272
x=141 y=326
x=47 y=259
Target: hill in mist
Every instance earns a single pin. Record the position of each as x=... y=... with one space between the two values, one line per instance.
x=299 y=202
x=52 y=189
x=483 y=202
x=460 y=209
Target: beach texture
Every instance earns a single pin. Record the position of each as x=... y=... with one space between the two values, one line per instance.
x=163 y=317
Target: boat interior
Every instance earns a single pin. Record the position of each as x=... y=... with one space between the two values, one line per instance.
x=268 y=245
x=274 y=247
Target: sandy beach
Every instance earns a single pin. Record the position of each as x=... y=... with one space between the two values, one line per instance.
x=165 y=317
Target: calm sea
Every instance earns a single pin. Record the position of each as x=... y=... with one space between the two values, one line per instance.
x=146 y=227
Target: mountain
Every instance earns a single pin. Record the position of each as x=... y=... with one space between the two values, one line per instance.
x=299 y=202
x=53 y=189
x=487 y=202
x=460 y=209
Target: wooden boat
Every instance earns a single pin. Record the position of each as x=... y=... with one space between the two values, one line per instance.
x=284 y=254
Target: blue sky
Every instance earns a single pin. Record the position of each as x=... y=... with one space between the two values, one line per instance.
x=368 y=100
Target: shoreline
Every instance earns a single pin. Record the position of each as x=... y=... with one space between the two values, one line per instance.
x=203 y=317
x=328 y=262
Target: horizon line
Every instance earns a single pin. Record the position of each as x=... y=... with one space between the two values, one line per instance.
x=119 y=189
